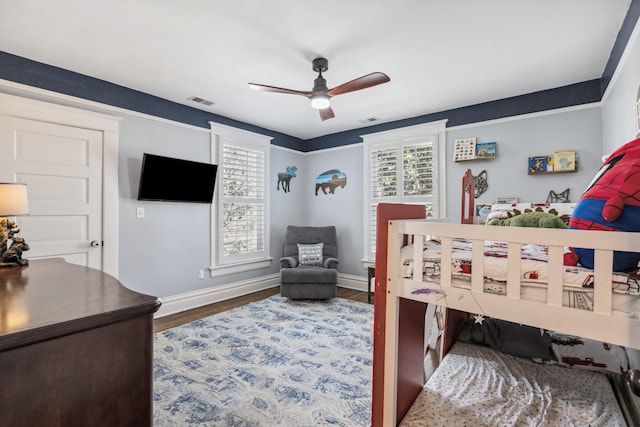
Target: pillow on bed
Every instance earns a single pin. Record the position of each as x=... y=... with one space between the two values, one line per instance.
x=506 y=210
x=310 y=255
x=589 y=354
x=507 y=337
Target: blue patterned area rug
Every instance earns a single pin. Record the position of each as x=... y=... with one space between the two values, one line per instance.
x=274 y=362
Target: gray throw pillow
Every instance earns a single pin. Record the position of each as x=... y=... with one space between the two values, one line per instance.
x=310 y=255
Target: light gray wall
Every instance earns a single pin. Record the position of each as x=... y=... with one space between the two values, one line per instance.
x=285 y=208
x=343 y=208
x=163 y=253
x=617 y=111
x=520 y=138
x=517 y=139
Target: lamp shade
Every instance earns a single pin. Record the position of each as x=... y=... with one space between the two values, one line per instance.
x=13 y=199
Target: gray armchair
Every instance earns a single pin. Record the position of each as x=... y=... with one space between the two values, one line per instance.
x=308 y=269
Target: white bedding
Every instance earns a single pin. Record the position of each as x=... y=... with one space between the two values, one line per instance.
x=578 y=281
x=478 y=386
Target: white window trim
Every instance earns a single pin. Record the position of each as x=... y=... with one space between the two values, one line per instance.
x=240 y=137
x=403 y=136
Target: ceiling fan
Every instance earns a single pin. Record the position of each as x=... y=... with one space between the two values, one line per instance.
x=320 y=95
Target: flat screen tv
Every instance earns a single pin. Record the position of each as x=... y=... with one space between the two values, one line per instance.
x=176 y=180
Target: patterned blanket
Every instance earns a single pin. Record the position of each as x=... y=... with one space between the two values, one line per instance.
x=577 y=281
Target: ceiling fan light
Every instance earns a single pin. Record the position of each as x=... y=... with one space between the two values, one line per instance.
x=320 y=102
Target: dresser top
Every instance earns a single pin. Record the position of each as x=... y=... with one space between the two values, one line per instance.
x=51 y=298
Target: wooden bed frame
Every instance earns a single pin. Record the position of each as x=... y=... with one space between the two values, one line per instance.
x=396 y=385
x=411 y=336
x=412 y=313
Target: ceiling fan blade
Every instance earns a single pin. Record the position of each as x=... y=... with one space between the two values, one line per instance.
x=363 y=82
x=326 y=113
x=266 y=88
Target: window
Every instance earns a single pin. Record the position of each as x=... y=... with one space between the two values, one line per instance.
x=403 y=166
x=243 y=207
x=240 y=220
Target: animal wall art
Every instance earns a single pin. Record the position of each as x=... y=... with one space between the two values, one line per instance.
x=330 y=180
x=284 y=178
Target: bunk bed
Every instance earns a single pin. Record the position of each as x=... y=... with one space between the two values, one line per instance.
x=402 y=293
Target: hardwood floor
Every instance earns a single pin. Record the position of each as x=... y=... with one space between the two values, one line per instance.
x=178 y=319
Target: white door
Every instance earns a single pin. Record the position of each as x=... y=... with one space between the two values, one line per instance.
x=62 y=167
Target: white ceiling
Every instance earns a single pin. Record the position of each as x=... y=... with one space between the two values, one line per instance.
x=439 y=54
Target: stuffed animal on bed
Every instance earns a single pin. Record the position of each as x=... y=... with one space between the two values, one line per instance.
x=531 y=219
x=612 y=203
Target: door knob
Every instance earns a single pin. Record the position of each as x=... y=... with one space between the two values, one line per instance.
x=95 y=244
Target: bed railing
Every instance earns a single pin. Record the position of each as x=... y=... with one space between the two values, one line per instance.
x=600 y=324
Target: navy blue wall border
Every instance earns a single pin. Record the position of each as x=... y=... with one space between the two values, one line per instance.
x=566 y=96
x=25 y=71
x=622 y=39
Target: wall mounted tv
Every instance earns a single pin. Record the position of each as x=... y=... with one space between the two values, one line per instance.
x=176 y=180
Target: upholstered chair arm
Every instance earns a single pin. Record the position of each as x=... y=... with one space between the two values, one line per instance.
x=331 y=263
x=288 y=262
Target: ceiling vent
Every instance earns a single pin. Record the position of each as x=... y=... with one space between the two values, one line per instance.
x=370 y=120
x=200 y=100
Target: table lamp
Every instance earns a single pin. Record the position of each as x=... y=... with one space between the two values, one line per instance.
x=13 y=202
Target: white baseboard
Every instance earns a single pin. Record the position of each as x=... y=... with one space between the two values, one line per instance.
x=190 y=300
x=349 y=281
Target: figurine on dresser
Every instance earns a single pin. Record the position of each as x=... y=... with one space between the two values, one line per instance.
x=11 y=255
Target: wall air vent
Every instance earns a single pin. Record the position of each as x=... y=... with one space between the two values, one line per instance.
x=200 y=100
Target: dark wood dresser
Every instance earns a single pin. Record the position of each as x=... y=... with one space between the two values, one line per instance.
x=76 y=348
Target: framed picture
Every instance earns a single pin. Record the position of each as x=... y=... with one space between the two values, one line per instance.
x=464 y=149
x=485 y=150
x=540 y=164
x=564 y=161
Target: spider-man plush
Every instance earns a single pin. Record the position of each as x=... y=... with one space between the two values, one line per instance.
x=612 y=203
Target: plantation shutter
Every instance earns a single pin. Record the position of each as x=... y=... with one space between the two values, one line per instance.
x=239 y=215
x=403 y=166
x=383 y=183
x=395 y=178
x=417 y=175
x=243 y=228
